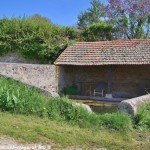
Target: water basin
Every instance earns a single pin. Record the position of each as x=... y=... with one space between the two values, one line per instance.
x=100 y=106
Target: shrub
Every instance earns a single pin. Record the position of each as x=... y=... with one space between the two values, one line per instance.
x=117 y=121
x=71 y=90
x=35 y=38
x=18 y=98
x=142 y=118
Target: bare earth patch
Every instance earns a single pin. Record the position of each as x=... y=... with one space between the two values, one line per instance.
x=11 y=144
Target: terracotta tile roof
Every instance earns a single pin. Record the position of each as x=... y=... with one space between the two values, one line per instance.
x=117 y=52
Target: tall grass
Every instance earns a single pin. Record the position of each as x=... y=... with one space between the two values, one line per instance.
x=18 y=98
x=142 y=118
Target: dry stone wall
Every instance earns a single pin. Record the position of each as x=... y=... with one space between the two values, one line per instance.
x=40 y=76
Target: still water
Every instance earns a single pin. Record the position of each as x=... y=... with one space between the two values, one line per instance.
x=100 y=106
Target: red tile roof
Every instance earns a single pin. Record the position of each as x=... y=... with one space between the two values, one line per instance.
x=117 y=52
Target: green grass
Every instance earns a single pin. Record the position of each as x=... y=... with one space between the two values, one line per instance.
x=20 y=99
x=142 y=118
x=32 y=129
x=29 y=116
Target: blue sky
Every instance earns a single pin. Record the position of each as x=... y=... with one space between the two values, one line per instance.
x=62 y=12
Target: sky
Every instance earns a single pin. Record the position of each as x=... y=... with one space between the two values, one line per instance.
x=61 y=12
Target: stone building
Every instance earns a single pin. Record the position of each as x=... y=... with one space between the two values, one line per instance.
x=123 y=64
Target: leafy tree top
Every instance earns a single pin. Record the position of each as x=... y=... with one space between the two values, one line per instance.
x=91 y=15
x=133 y=16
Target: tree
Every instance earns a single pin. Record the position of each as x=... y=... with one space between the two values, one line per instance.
x=99 y=32
x=91 y=15
x=130 y=17
x=35 y=38
x=38 y=17
x=90 y=21
x=71 y=33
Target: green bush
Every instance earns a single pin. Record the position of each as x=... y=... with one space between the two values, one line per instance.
x=71 y=90
x=98 y=32
x=35 y=38
x=142 y=118
x=18 y=98
x=117 y=121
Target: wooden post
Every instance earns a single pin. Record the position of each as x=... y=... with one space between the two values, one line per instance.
x=109 y=79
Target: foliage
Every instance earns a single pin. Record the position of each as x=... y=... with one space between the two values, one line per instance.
x=116 y=121
x=34 y=37
x=37 y=17
x=62 y=121
x=25 y=100
x=131 y=17
x=142 y=118
x=91 y=15
x=61 y=135
x=98 y=32
x=71 y=90
x=71 y=33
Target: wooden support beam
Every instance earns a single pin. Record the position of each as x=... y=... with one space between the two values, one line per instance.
x=109 y=79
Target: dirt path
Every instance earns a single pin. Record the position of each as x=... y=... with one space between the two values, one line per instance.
x=11 y=144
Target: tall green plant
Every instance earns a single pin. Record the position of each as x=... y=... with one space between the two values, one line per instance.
x=34 y=38
x=18 y=98
x=142 y=118
x=99 y=32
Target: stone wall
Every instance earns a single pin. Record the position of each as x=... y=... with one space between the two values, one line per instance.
x=40 y=76
x=127 y=81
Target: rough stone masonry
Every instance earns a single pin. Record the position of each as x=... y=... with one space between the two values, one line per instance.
x=43 y=77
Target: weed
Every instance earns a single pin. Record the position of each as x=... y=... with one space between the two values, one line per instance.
x=142 y=118
x=18 y=98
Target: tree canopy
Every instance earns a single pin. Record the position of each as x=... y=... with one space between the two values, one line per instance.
x=91 y=15
x=98 y=32
x=130 y=18
x=35 y=37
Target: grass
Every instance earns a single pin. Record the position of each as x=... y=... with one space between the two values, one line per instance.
x=142 y=118
x=32 y=129
x=20 y=99
x=29 y=116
